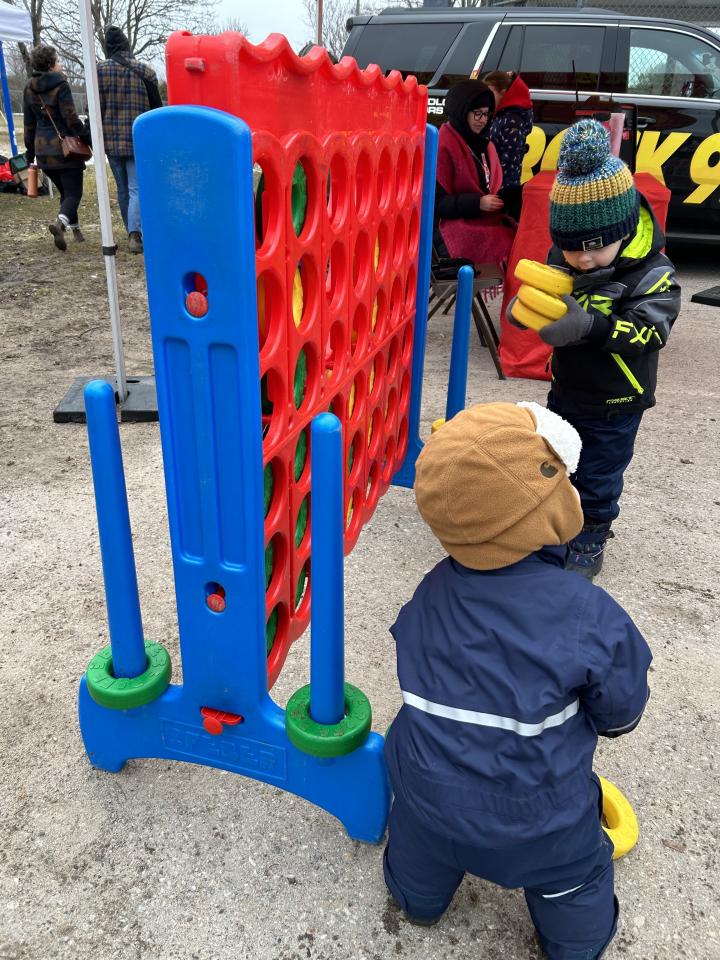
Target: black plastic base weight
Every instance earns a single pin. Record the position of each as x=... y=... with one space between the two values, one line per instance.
x=711 y=297
x=140 y=405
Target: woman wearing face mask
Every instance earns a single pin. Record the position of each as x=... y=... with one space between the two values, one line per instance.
x=470 y=221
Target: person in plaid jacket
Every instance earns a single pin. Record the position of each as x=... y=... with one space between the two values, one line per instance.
x=127 y=89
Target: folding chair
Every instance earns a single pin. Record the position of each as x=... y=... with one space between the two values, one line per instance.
x=443 y=290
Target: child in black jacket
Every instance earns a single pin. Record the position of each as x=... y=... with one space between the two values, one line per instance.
x=624 y=303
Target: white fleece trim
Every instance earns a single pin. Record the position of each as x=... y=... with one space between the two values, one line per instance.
x=562 y=438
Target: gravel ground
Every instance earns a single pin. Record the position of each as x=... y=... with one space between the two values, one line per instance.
x=175 y=861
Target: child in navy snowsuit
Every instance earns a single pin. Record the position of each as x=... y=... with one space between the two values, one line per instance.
x=625 y=301
x=510 y=669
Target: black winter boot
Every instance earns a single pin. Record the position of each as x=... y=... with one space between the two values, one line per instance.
x=586 y=551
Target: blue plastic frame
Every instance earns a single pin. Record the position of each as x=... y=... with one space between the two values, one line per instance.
x=207 y=374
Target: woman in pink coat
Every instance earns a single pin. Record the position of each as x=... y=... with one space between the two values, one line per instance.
x=470 y=221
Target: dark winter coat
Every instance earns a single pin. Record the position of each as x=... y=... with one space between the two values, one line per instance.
x=508 y=678
x=634 y=303
x=42 y=143
x=127 y=89
x=511 y=125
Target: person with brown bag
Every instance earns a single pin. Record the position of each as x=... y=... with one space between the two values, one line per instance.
x=56 y=138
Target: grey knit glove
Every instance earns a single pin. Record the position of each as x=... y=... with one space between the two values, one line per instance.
x=510 y=318
x=572 y=328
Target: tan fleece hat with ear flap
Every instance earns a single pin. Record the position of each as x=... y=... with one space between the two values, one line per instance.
x=493 y=483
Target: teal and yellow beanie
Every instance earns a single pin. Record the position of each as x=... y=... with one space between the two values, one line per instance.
x=593 y=201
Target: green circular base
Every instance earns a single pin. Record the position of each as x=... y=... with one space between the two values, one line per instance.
x=333 y=740
x=124 y=693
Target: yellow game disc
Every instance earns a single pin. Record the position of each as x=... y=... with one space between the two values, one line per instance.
x=437 y=424
x=377 y=252
x=543 y=303
x=351 y=400
x=528 y=318
x=543 y=277
x=372 y=378
x=620 y=822
x=297 y=298
x=374 y=315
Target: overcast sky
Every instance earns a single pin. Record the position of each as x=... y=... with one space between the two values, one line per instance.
x=269 y=16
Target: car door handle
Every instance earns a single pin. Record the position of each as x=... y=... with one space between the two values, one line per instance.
x=644 y=122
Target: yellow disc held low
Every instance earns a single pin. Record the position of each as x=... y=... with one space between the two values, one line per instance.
x=620 y=822
x=546 y=304
x=529 y=318
x=543 y=277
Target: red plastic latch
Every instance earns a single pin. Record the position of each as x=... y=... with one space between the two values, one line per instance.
x=195 y=64
x=215 y=720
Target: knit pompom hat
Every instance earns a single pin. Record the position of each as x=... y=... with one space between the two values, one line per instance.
x=493 y=483
x=593 y=201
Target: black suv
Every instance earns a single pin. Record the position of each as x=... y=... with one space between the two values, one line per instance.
x=670 y=70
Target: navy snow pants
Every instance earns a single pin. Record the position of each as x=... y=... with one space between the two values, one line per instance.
x=567 y=878
x=607 y=449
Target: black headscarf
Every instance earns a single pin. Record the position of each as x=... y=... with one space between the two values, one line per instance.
x=116 y=42
x=466 y=96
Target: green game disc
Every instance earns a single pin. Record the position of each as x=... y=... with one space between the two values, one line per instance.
x=302 y=580
x=298 y=198
x=267 y=487
x=302 y=522
x=332 y=740
x=124 y=693
x=300 y=455
x=271 y=631
x=300 y=380
x=268 y=564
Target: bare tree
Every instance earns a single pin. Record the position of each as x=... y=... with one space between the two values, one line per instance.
x=337 y=12
x=335 y=17
x=35 y=9
x=146 y=24
x=232 y=23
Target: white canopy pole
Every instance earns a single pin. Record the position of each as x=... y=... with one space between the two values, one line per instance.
x=108 y=246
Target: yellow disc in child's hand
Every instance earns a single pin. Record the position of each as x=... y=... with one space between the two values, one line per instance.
x=528 y=318
x=543 y=277
x=546 y=304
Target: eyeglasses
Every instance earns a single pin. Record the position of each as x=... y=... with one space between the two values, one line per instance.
x=479 y=114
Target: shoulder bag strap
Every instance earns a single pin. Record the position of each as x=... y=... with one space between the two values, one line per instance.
x=47 y=111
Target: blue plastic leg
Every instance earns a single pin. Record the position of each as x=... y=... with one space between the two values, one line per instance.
x=353 y=788
x=457 y=381
x=327 y=663
x=8 y=106
x=121 y=590
x=405 y=477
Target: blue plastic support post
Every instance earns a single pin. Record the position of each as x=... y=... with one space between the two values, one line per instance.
x=118 y=560
x=405 y=477
x=8 y=104
x=327 y=655
x=457 y=381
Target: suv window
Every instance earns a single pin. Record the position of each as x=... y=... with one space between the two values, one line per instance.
x=465 y=55
x=416 y=48
x=670 y=64
x=548 y=53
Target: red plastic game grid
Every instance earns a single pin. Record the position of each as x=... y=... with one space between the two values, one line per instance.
x=357 y=252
